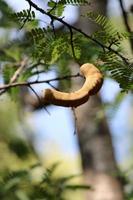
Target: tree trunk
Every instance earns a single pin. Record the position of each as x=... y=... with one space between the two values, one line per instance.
x=98 y=161
x=97 y=155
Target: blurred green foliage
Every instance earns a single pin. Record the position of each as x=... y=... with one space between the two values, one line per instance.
x=22 y=175
x=20 y=185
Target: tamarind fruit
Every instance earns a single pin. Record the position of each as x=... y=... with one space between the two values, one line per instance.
x=92 y=84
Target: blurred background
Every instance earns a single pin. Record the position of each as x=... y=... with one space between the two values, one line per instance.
x=41 y=141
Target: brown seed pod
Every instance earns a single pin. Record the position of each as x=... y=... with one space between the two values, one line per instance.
x=93 y=83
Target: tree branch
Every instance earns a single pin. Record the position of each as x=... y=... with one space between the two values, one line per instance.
x=53 y=17
x=18 y=72
x=40 y=102
x=72 y=45
x=11 y=85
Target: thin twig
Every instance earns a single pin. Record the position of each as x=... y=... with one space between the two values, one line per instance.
x=72 y=45
x=38 y=72
x=53 y=28
x=125 y=18
x=53 y=8
x=29 y=10
x=77 y=30
x=39 y=99
x=75 y=120
x=52 y=86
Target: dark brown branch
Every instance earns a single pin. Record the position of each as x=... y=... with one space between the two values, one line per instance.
x=11 y=85
x=72 y=45
x=75 y=120
x=53 y=17
x=53 y=28
x=38 y=72
x=35 y=93
x=40 y=103
x=125 y=18
x=52 y=86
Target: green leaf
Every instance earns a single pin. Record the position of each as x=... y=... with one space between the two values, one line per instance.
x=19 y=147
x=28 y=15
x=14 y=53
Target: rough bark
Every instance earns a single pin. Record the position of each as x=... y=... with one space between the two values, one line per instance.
x=98 y=161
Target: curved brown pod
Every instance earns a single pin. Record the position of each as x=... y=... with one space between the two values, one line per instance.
x=93 y=83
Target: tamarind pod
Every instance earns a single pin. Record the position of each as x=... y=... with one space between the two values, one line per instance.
x=93 y=83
